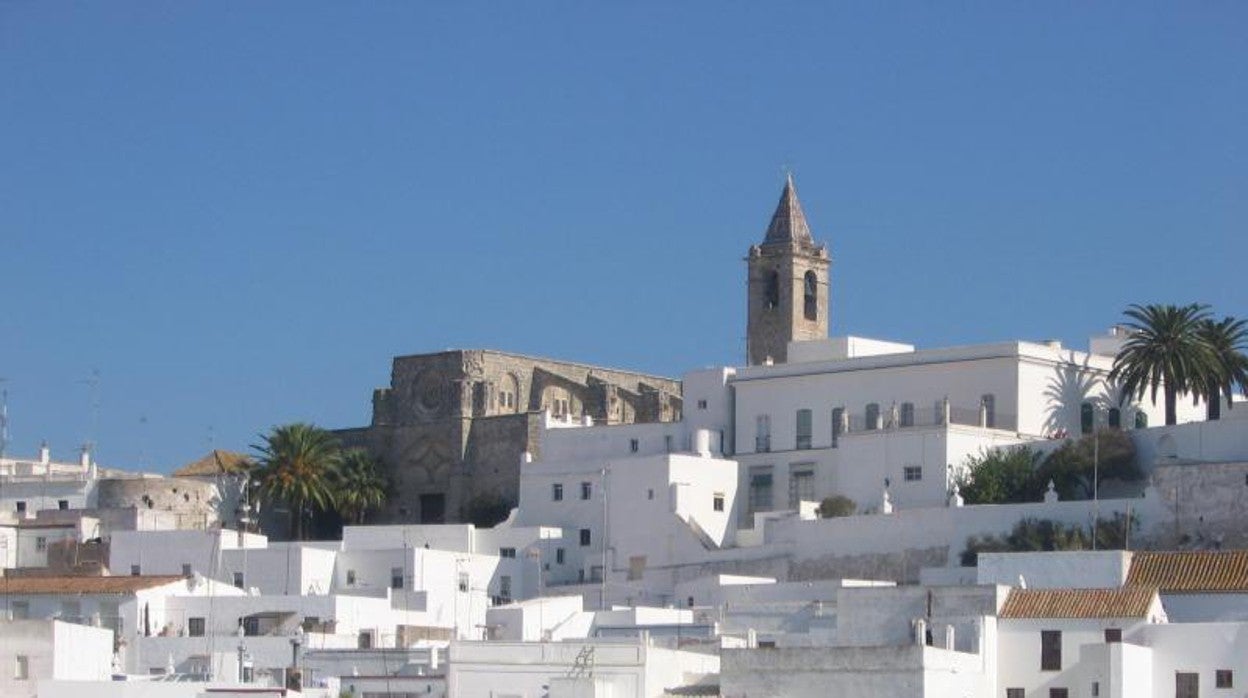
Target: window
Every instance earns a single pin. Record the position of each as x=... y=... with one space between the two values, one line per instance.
x=1096 y=689
x=873 y=415
x=21 y=507
x=195 y=627
x=504 y=588
x=1059 y=693
x=801 y=486
x=186 y=570
x=350 y=578
x=771 y=292
x=701 y=404
x=21 y=667
x=396 y=578
x=810 y=296
x=463 y=581
x=650 y=494
x=668 y=444
x=365 y=640
x=634 y=445
x=560 y=556
x=1115 y=418
x=989 y=402
x=595 y=573
x=762 y=433
x=238 y=579
x=1186 y=685
x=587 y=490
x=1087 y=418
x=135 y=570
x=838 y=419
x=803 y=429
x=1015 y=693
x=717 y=501
x=556 y=492
x=62 y=504
x=585 y=537
x=41 y=543
x=1141 y=420
x=1224 y=678
x=19 y=610
x=913 y=473
x=760 y=489
x=907 y=414
x=1113 y=634
x=251 y=626
x=1050 y=650
x=507 y=552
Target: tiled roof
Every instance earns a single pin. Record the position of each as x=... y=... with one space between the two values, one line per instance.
x=1192 y=571
x=788 y=223
x=216 y=463
x=1078 y=603
x=10 y=586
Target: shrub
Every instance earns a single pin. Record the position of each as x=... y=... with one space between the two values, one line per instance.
x=837 y=506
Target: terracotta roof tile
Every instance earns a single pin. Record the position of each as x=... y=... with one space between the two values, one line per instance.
x=11 y=586
x=216 y=463
x=1193 y=571
x=1078 y=603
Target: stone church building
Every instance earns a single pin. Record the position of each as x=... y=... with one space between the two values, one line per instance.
x=453 y=426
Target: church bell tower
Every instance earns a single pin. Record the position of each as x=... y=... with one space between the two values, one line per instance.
x=788 y=284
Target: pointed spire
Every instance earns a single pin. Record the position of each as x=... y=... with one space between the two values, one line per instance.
x=788 y=223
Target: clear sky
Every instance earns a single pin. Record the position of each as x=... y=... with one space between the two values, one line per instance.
x=237 y=213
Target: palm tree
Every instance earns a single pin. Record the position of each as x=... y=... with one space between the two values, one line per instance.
x=1164 y=350
x=1228 y=340
x=359 y=486
x=297 y=463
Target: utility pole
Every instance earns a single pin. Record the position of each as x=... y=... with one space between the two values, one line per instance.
x=602 y=582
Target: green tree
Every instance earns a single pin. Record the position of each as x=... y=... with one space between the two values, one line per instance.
x=1002 y=476
x=359 y=485
x=487 y=510
x=1164 y=350
x=1106 y=454
x=297 y=465
x=837 y=506
x=1227 y=340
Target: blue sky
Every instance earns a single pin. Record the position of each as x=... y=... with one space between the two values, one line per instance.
x=239 y=212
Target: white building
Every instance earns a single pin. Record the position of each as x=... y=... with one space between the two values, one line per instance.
x=34 y=650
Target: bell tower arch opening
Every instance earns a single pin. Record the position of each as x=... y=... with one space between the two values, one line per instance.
x=788 y=273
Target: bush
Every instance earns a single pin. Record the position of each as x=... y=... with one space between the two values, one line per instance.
x=487 y=510
x=1031 y=535
x=1071 y=467
x=837 y=506
x=1004 y=476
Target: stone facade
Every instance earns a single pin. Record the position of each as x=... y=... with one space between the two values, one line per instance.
x=452 y=427
x=788 y=285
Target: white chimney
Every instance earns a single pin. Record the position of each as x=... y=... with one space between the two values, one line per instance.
x=84 y=457
x=45 y=453
x=702 y=441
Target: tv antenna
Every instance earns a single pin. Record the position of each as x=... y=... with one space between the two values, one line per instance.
x=4 y=417
x=93 y=396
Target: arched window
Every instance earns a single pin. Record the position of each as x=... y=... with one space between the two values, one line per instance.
x=873 y=415
x=1087 y=418
x=907 y=414
x=1115 y=418
x=1141 y=420
x=810 y=296
x=838 y=416
x=771 y=298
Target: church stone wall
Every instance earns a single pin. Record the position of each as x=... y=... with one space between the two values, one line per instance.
x=452 y=426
